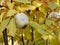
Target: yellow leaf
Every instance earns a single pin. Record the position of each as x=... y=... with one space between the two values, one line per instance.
x=58 y=2
x=26 y=32
x=41 y=20
x=11 y=12
x=31 y=7
x=43 y=9
x=37 y=4
x=4 y=24
x=23 y=1
x=10 y=5
x=59 y=36
x=1 y=43
x=45 y=37
x=53 y=40
x=12 y=27
x=22 y=9
x=27 y=7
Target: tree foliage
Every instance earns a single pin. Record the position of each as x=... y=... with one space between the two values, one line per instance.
x=44 y=23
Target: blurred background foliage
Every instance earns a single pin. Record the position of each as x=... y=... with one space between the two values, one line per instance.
x=43 y=27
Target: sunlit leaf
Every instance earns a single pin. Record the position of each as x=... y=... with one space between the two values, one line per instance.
x=31 y=7
x=4 y=24
x=43 y=27
x=37 y=4
x=22 y=9
x=58 y=3
x=26 y=32
x=45 y=37
x=27 y=7
x=23 y=1
x=12 y=27
x=11 y=13
x=53 y=40
x=10 y=5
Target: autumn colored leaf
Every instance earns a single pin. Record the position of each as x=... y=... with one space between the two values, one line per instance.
x=4 y=24
x=23 y=1
x=10 y=5
x=48 y=22
x=11 y=12
x=37 y=26
x=12 y=27
x=43 y=16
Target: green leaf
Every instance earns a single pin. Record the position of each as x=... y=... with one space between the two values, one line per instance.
x=37 y=26
x=23 y=1
x=43 y=26
x=4 y=24
x=12 y=27
x=48 y=22
x=34 y=24
x=52 y=5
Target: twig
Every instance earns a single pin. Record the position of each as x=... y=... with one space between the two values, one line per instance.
x=32 y=34
x=34 y=43
x=46 y=17
x=5 y=37
x=23 y=40
x=12 y=40
x=27 y=42
x=47 y=42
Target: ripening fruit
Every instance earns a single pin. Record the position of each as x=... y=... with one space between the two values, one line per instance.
x=21 y=20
